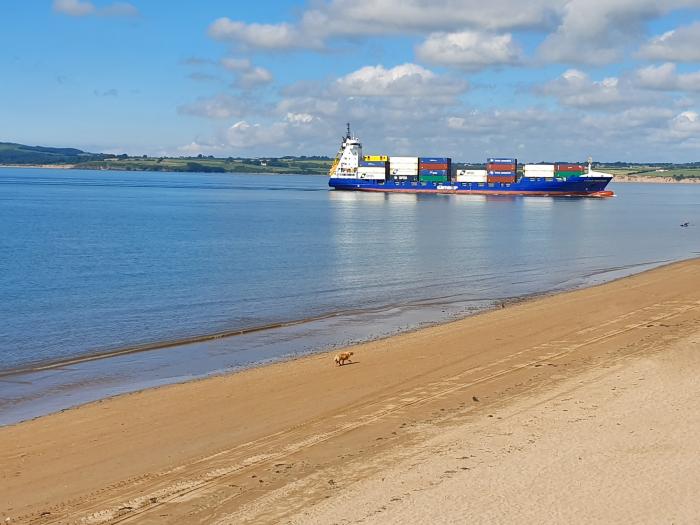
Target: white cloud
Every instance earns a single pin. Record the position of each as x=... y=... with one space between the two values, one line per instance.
x=582 y=31
x=470 y=50
x=574 y=88
x=686 y=124
x=220 y=106
x=242 y=134
x=264 y=36
x=340 y=18
x=599 y=31
x=255 y=77
x=406 y=80
x=86 y=7
x=666 y=78
x=299 y=118
x=316 y=105
x=680 y=45
x=368 y=17
x=248 y=76
x=73 y=7
x=196 y=147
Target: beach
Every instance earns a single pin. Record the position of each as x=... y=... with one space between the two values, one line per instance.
x=578 y=406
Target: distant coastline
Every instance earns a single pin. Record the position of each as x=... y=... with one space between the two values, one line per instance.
x=13 y=155
x=320 y=170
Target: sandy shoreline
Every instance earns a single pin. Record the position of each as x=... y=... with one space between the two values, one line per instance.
x=45 y=166
x=652 y=179
x=292 y=441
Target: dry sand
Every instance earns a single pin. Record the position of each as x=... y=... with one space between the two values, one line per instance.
x=655 y=179
x=579 y=407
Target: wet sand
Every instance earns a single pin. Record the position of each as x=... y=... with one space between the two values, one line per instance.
x=582 y=406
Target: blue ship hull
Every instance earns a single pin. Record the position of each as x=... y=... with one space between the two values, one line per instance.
x=571 y=187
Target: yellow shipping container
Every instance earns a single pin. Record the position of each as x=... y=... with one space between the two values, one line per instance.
x=376 y=158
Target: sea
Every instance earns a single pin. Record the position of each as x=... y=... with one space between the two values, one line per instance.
x=111 y=282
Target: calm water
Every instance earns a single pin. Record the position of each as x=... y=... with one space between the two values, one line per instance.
x=92 y=261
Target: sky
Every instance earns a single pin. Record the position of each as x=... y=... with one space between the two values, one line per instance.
x=538 y=80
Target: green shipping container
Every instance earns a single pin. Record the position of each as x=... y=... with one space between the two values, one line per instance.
x=567 y=174
x=432 y=178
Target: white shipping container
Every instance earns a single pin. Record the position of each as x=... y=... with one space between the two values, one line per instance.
x=539 y=167
x=371 y=169
x=404 y=171
x=470 y=178
x=371 y=173
x=471 y=172
x=403 y=160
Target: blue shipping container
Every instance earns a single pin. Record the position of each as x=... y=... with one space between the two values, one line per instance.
x=433 y=172
x=434 y=160
x=372 y=164
x=500 y=173
x=501 y=160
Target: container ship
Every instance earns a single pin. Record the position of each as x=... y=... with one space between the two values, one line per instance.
x=354 y=171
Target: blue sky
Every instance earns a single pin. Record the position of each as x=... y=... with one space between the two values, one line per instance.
x=564 y=79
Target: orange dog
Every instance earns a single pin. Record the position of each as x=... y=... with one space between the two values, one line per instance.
x=342 y=357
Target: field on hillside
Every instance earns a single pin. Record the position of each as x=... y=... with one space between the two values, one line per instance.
x=674 y=172
x=289 y=165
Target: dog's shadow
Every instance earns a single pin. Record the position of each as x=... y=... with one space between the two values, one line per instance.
x=350 y=363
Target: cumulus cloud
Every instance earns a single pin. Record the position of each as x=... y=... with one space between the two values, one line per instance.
x=195 y=148
x=686 y=124
x=247 y=75
x=255 y=77
x=680 y=45
x=243 y=134
x=86 y=7
x=599 y=31
x=339 y=18
x=575 y=88
x=470 y=50
x=264 y=36
x=299 y=118
x=220 y=106
x=406 y=80
x=666 y=78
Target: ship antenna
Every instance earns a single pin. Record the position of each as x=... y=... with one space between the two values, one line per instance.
x=349 y=135
x=590 y=162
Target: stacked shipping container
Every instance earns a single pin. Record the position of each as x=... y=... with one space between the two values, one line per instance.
x=501 y=170
x=566 y=170
x=373 y=167
x=403 y=168
x=539 y=170
x=434 y=169
x=470 y=176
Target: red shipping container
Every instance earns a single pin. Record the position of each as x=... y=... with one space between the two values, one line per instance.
x=501 y=167
x=431 y=166
x=500 y=178
x=569 y=167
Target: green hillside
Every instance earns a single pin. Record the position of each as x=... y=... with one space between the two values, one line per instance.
x=19 y=154
x=11 y=153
